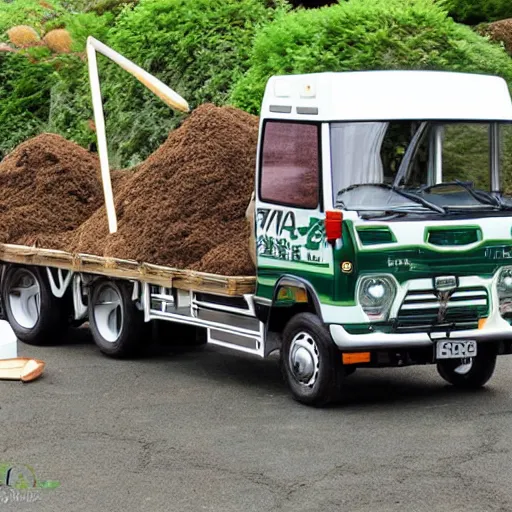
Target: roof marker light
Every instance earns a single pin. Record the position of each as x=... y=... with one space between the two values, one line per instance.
x=308 y=90
x=282 y=89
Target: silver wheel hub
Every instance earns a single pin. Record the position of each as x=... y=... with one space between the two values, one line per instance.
x=25 y=299
x=465 y=366
x=108 y=314
x=304 y=359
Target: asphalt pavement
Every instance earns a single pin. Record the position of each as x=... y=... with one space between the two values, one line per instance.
x=211 y=430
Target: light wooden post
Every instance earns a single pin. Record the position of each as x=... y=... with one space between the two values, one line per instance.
x=165 y=93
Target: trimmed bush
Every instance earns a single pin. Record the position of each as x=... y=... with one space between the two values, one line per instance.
x=198 y=47
x=23 y=36
x=499 y=31
x=24 y=99
x=71 y=105
x=58 y=40
x=366 y=35
x=34 y=13
x=312 y=4
x=477 y=11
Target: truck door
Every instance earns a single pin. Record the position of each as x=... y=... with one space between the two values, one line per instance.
x=290 y=222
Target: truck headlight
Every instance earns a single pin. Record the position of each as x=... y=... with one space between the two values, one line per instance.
x=504 y=286
x=376 y=295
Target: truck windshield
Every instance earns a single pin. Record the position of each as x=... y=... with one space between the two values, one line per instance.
x=421 y=166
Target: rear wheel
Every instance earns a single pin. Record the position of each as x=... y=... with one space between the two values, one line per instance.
x=470 y=373
x=36 y=316
x=117 y=325
x=310 y=361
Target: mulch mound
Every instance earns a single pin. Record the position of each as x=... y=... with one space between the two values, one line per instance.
x=47 y=185
x=183 y=207
x=500 y=31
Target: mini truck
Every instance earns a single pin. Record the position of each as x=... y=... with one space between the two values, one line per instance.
x=382 y=238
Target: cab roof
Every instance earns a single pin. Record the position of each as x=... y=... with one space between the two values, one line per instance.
x=387 y=95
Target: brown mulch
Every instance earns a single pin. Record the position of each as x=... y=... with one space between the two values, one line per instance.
x=47 y=185
x=500 y=31
x=183 y=207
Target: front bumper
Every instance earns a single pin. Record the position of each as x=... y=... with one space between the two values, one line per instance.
x=495 y=327
x=494 y=330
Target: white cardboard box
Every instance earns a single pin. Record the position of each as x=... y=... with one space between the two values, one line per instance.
x=8 y=343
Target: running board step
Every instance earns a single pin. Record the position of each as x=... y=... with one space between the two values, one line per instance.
x=235 y=342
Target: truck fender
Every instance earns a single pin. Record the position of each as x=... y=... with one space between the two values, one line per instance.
x=299 y=285
x=302 y=297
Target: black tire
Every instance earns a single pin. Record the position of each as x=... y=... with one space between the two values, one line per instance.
x=176 y=335
x=121 y=331
x=481 y=370
x=52 y=313
x=325 y=385
x=349 y=370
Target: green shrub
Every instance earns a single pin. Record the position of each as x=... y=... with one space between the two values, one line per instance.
x=477 y=11
x=44 y=92
x=97 y=6
x=70 y=112
x=197 y=47
x=366 y=35
x=24 y=99
x=34 y=13
x=71 y=106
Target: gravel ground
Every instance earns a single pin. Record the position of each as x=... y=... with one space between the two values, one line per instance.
x=216 y=431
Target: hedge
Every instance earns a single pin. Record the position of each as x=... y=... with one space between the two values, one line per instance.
x=198 y=47
x=24 y=99
x=366 y=35
x=34 y=13
x=477 y=11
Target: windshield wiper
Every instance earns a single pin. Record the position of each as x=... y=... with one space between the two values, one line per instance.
x=418 y=199
x=479 y=195
x=415 y=198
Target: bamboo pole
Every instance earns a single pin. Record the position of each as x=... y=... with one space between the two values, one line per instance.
x=99 y=121
x=165 y=93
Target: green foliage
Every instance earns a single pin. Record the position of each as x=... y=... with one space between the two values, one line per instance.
x=197 y=47
x=477 y=11
x=97 y=6
x=24 y=99
x=34 y=13
x=71 y=106
x=114 y=6
x=44 y=92
x=366 y=35
x=506 y=159
x=82 y=25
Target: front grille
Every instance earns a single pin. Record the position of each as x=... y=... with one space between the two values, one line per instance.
x=420 y=309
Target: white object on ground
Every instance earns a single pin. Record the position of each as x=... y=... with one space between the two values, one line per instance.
x=8 y=343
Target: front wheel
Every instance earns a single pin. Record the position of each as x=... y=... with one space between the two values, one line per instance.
x=471 y=373
x=310 y=361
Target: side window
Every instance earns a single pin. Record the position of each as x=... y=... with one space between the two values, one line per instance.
x=506 y=158
x=290 y=172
